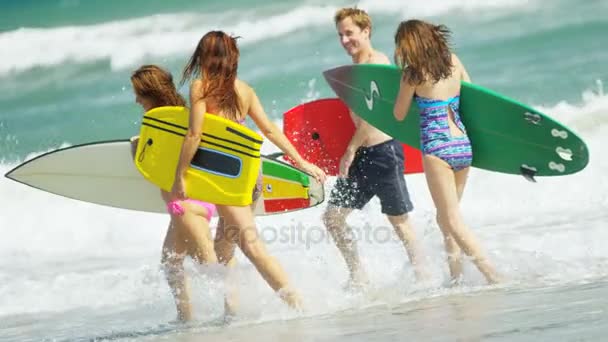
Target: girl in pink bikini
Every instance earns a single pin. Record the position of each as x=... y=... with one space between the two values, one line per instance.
x=188 y=232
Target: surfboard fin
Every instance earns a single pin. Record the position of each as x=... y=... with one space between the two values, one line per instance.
x=528 y=172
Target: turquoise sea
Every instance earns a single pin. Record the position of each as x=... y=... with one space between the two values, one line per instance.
x=76 y=271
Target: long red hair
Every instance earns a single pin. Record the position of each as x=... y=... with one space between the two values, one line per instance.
x=216 y=61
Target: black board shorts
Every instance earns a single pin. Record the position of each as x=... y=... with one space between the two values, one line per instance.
x=376 y=171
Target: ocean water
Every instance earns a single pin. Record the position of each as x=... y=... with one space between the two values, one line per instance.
x=76 y=271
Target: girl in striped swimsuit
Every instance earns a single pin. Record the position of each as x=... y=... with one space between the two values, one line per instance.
x=431 y=76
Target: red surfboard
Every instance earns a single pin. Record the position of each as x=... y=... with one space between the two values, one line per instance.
x=320 y=130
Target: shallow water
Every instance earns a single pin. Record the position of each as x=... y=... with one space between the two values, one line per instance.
x=76 y=271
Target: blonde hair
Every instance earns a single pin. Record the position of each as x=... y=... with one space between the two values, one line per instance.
x=358 y=16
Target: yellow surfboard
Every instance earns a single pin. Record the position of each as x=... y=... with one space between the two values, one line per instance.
x=225 y=167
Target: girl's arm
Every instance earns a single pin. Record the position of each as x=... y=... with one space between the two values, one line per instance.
x=276 y=136
x=464 y=75
x=191 y=140
x=404 y=99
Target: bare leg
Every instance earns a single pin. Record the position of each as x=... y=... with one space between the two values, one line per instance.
x=188 y=234
x=442 y=185
x=334 y=219
x=224 y=249
x=172 y=260
x=453 y=252
x=403 y=229
x=195 y=227
x=455 y=258
x=239 y=223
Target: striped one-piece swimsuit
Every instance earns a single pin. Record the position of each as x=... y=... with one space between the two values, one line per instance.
x=435 y=136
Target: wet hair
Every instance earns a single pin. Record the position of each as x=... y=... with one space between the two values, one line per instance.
x=216 y=61
x=422 y=51
x=157 y=85
x=358 y=16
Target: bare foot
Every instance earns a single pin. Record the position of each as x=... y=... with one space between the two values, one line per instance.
x=495 y=279
x=291 y=297
x=422 y=274
x=229 y=307
x=357 y=283
x=489 y=272
x=453 y=282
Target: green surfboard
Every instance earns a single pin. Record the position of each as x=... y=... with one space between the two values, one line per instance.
x=506 y=136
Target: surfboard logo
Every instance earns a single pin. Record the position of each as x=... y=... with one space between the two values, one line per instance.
x=373 y=90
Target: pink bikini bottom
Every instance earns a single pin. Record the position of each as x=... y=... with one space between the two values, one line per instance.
x=175 y=208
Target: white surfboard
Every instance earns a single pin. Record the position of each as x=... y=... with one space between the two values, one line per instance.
x=104 y=173
x=101 y=173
